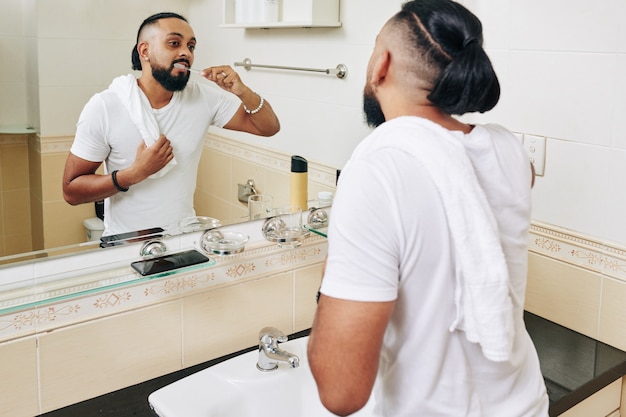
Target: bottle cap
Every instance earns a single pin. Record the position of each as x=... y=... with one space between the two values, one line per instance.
x=298 y=164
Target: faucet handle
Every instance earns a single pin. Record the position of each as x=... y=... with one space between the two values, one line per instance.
x=270 y=335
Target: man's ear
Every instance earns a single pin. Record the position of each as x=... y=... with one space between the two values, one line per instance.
x=142 y=49
x=380 y=68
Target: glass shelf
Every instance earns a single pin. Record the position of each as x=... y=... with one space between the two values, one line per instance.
x=322 y=231
x=85 y=282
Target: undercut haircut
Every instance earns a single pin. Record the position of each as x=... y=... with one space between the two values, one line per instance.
x=136 y=61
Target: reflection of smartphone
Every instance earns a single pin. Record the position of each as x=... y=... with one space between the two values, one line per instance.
x=129 y=237
x=169 y=262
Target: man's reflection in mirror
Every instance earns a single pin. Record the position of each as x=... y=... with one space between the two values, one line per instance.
x=149 y=130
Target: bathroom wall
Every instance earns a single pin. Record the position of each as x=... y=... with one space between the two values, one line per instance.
x=73 y=349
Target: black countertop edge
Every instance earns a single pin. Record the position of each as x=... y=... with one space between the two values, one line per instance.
x=133 y=400
x=551 y=338
x=587 y=390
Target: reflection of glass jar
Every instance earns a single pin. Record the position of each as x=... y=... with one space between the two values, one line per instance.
x=269 y=11
x=325 y=198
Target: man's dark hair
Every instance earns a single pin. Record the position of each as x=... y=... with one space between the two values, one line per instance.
x=136 y=61
x=450 y=38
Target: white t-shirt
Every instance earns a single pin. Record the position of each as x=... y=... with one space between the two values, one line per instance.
x=105 y=132
x=389 y=240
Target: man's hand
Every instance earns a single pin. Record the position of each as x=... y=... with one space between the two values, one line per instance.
x=226 y=78
x=150 y=159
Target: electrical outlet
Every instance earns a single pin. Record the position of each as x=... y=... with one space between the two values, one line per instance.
x=536 y=149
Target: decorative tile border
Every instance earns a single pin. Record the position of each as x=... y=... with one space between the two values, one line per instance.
x=321 y=174
x=51 y=144
x=577 y=249
x=255 y=263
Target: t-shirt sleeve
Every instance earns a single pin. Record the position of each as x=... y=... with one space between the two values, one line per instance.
x=362 y=262
x=90 y=139
x=225 y=104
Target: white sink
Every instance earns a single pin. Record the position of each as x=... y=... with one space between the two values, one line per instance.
x=236 y=388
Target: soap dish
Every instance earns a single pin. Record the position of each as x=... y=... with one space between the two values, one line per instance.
x=197 y=223
x=275 y=230
x=223 y=243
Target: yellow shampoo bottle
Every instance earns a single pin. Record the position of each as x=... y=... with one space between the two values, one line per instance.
x=299 y=182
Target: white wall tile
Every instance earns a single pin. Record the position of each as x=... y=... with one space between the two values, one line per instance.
x=565 y=25
x=11 y=18
x=615 y=199
x=496 y=18
x=13 y=104
x=68 y=62
x=570 y=194
x=61 y=106
x=562 y=95
x=618 y=108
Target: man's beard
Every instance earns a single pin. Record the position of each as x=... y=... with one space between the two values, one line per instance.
x=374 y=116
x=168 y=81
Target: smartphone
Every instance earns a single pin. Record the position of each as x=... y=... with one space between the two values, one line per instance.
x=130 y=237
x=169 y=262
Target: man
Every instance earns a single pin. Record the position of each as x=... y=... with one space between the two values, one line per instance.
x=149 y=131
x=427 y=299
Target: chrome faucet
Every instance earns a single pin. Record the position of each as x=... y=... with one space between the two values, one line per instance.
x=269 y=352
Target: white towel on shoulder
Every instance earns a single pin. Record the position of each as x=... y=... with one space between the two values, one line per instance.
x=484 y=305
x=140 y=111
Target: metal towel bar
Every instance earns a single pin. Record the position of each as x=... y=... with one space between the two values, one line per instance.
x=341 y=71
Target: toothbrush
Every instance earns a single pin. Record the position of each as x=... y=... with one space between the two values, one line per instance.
x=181 y=66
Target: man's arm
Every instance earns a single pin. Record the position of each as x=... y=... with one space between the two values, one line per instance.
x=81 y=184
x=344 y=350
x=260 y=118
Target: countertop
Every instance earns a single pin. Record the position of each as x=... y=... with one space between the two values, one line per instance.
x=574 y=367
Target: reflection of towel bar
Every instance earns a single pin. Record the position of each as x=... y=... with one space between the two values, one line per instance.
x=341 y=71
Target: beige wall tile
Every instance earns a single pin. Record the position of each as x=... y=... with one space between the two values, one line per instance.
x=209 y=205
x=623 y=400
x=63 y=224
x=203 y=173
x=216 y=172
x=613 y=313
x=16 y=211
x=306 y=285
x=18 y=243
x=228 y=319
x=52 y=166
x=242 y=171
x=563 y=293
x=87 y=360
x=14 y=165
x=34 y=168
x=36 y=221
x=278 y=186
x=18 y=385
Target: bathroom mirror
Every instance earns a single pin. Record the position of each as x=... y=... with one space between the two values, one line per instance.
x=96 y=38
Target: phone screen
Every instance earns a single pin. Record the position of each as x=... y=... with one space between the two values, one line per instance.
x=130 y=237
x=169 y=262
